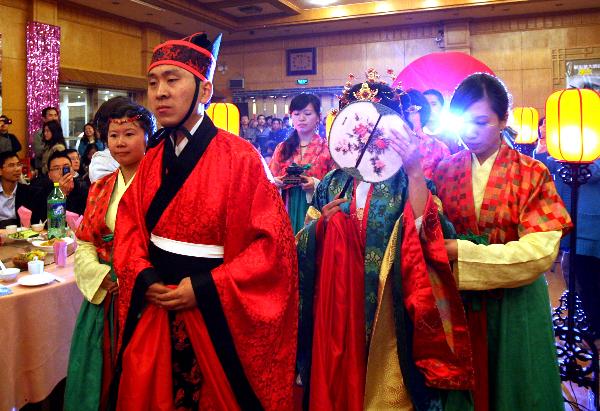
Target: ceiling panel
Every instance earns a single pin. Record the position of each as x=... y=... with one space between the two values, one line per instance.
x=289 y=18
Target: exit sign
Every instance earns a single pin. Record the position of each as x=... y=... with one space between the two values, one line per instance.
x=302 y=81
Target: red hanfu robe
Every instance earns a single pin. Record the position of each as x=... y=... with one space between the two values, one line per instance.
x=244 y=330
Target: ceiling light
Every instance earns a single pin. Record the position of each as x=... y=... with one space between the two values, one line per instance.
x=143 y=3
x=323 y=2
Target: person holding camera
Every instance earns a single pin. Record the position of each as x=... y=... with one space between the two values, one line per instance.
x=302 y=159
x=59 y=171
x=8 y=141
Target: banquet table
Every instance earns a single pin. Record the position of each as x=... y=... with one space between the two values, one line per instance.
x=36 y=325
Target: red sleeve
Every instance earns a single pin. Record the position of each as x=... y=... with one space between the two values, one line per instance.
x=441 y=345
x=275 y=164
x=257 y=284
x=130 y=256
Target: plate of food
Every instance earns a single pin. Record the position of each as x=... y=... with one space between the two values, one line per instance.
x=21 y=260
x=48 y=245
x=33 y=280
x=23 y=234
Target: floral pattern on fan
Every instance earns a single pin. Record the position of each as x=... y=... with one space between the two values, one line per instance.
x=358 y=138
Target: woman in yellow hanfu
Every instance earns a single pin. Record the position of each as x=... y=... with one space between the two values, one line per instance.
x=127 y=126
x=510 y=219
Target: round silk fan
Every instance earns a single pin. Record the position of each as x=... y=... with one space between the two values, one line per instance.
x=359 y=141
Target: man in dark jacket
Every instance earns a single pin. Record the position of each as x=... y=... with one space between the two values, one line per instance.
x=59 y=171
x=8 y=141
x=12 y=193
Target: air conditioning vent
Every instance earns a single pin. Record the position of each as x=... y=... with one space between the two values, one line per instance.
x=250 y=9
x=236 y=83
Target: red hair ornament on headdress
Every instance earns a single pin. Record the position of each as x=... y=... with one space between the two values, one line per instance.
x=120 y=121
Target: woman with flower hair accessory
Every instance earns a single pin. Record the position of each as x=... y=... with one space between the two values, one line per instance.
x=305 y=148
x=93 y=348
x=381 y=323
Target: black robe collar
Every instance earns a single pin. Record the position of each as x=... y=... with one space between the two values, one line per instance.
x=176 y=169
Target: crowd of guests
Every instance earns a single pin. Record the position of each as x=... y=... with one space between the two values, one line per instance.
x=426 y=273
x=53 y=162
x=266 y=132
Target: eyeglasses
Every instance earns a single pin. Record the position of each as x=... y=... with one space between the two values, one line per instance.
x=53 y=169
x=13 y=165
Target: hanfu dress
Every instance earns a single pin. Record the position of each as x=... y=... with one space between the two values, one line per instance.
x=510 y=199
x=93 y=348
x=317 y=159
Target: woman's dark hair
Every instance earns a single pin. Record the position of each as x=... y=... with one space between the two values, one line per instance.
x=479 y=86
x=542 y=119
x=84 y=160
x=413 y=98
x=84 y=137
x=57 y=134
x=119 y=107
x=386 y=95
x=300 y=102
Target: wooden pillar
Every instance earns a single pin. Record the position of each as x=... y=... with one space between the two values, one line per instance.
x=45 y=11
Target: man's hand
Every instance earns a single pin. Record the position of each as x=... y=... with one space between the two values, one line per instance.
x=451 y=249
x=109 y=285
x=154 y=291
x=181 y=298
x=66 y=183
x=308 y=184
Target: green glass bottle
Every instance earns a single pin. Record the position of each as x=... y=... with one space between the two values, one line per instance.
x=57 y=211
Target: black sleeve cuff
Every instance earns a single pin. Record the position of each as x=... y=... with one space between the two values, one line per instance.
x=204 y=288
x=146 y=278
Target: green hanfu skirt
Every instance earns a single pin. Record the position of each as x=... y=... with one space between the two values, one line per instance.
x=295 y=201
x=84 y=375
x=523 y=367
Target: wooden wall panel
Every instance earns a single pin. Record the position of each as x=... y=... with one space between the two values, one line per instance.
x=415 y=48
x=588 y=36
x=537 y=86
x=383 y=56
x=121 y=54
x=14 y=15
x=80 y=46
x=513 y=79
x=263 y=68
x=537 y=46
x=500 y=50
x=338 y=61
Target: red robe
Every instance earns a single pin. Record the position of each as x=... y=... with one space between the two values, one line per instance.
x=226 y=200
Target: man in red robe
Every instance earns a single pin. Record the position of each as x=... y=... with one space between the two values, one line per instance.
x=205 y=258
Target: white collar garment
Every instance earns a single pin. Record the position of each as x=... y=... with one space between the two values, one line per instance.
x=480 y=174
x=13 y=192
x=179 y=147
x=7 y=204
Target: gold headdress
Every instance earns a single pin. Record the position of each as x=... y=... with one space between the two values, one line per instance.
x=372 y=89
